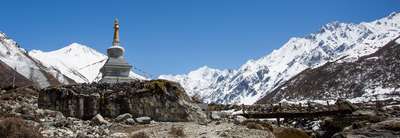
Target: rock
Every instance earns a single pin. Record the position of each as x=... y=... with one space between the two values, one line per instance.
x=215 y=115
x=257 y=124
x=331 y=126
x=345 y=105
x=119 y=135
x=143 y=120
x=99 y=120
x=161 y=100
x=370 y=115
x=253 y=125
x=390 y=124
x=364 y=113
x=238 y=119
x=386 y=129
x=289 y=133
x=123 y=117
x=130 y=121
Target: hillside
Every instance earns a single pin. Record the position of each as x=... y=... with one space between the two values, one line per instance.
x=372 y=76
x=8 y=75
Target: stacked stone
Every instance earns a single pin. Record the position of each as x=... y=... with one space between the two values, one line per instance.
x=159 y=99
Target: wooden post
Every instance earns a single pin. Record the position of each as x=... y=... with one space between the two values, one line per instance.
x=301 y=108
x=376 y=102
x=309 y=106
x=280 y=107
x=278 y=121
x=327 y=104
x=272 y=108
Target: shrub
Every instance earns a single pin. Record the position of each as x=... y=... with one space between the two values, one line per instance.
x=16 y=128
x=139 y=135
x=177 y=131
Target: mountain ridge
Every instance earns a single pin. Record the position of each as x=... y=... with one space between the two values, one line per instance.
x=17 y=58
x=371 y=77
x=333 y=41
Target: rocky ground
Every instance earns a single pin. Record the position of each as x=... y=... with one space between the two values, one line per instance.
x=21 y=103
x=21 y=117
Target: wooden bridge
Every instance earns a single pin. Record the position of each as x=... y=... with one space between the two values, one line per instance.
x=294 y=111
x=297 y=114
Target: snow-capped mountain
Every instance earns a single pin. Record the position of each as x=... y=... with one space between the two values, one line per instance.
x=258 y=77
x=17 y=58
x=76 y=61
x=79 y=62
x=372 y=77
x=198 y=82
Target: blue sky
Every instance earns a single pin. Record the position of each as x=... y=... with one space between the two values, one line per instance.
x=176 y=36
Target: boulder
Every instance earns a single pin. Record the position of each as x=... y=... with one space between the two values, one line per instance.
x=389 y=128
x=143 y=120
x=130 y=121
x=215 y=115
x=289 y=133
x=364 y=113
x=370 y=115
x=238 y=119
x=345 y=105
x=161 y=100
x=99 y=120
x=123 y=117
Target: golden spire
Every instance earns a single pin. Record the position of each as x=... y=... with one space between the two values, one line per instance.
x=116 y=33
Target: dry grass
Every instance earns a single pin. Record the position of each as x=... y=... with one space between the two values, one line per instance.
x=16 y=128
x=177 y=131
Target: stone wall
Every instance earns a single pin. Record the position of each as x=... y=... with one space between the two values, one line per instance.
x=159 y=99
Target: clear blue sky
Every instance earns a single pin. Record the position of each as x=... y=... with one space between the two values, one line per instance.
x=176 y=36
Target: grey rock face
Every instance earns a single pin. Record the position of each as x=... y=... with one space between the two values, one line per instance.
x=159 y=99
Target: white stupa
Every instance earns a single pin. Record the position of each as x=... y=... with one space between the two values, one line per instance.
x=116 y=69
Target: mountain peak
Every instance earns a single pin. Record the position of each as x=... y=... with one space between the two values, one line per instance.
x=393 y=14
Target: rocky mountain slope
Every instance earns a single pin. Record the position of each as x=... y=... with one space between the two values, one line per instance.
x=372 y=76
x=8 y=75
x=17 y=58
x=256 y=78
x=79 y=62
